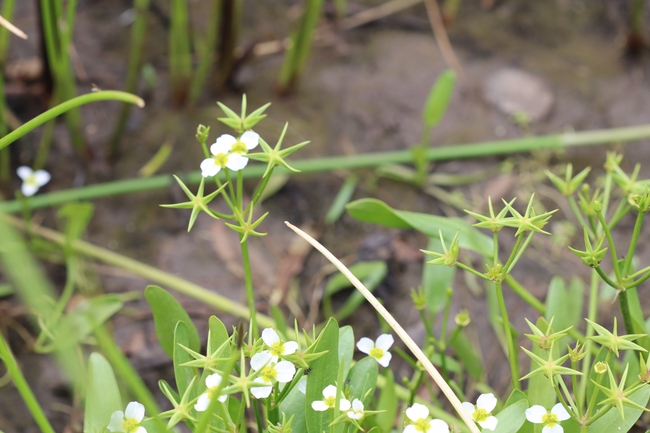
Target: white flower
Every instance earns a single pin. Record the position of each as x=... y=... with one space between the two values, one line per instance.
x=281 y=372
x=378 y=350
x=32 y=180
x=418 y=415
x=329 y=400
x=229 y=152
x=276 y=346
x=538 y=415
x=357 y=409
x=482 y=413
x=129 y=420
x=211 y=382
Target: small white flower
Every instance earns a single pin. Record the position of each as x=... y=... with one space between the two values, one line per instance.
x=379 y=349
x=32 y=180
x=418 y=415
x=329 y=400
x=281 y=372
x=539 y=415
x=129 y=420
x=211 y=382
x=276 y=346
x=482 y=412
x=357 y=409
x=228 y=152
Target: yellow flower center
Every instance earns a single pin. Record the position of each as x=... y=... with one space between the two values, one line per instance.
x=221 y=159
x=31 y=180
x=130 y=425
x=330 y=401
x=240 y=148
x=550 y=419
x=277 y=348
x=377 y=353
x=268 y=373
x=481 y=415
x=422 y=425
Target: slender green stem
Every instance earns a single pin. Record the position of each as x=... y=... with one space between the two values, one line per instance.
x=560 y=397
x=576 y=211
x=512 y=353
x=592 y=313
x=520 y=251
x=612 y=248
x=574 y=386
x=471 y=270
x=639 y=281
x=596 y=390
x=248 y=281
x=44 y=146
x=621 y=211
x=206 y=53
x=605 y=278
x=495 y=251
x=23 y=387
x=513 y=253
x=66 y=106
x=180 y=66
x=598 y=414
x=635 y=238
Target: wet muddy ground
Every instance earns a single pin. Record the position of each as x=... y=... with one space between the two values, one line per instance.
x=364 y=93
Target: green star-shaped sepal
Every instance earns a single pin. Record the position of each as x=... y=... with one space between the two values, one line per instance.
x=243 y=122
x=450 y=255
x=569 y=184
x=545 y=340
x=493 y=222
x=182 y=410
x=247 y=227
x=613 y=341
x=529 y=221
x=197 y=202
x=275 y=157
x=549 y=367
x=591 y=256
x=617 y=395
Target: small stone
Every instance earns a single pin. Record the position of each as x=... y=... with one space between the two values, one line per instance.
x=514 y=92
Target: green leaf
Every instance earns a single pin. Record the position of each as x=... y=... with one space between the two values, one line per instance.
x=468 y=356
x=102 y=396
x=183 y=375
x=217 y=335
x=612 y=421
x=323 y=373
x=540 y=391
x=77 y=216
x=565 y=304
x=376 y=211
x=515 y=396
x=346 y=347
x=511 y=418
x=280 y=321
x=6 y=290
x=294 y=406
x=167 y=311
x=438 y=99
x=436 y=279
x=342 y=198
x=363 y=380
x=85 y=318
x=387 y=403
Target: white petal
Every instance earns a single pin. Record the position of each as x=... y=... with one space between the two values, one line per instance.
x=438 y=426
x=385 y=360
x=259 y=360
x=410 y=429
x=213 y=380
x=385 y=341
x=289 y=348
x=302 y=385
x=319 y=405
x=355 y=415
x=117 y=421
x=28 y=189
x=134 y=410
x=270 y=337
x=417 y=411
x=209 y=167
x=42 y=177
x=329 y=391
x=469 y=407
x=535 y=413
x=202 y=403
x=140 y=430
x=344 y=404
x=223 y=144
x=285 y=371
x=365 y=345
x=250 y=139
x=236 y=161
x=487 y=402
x=261 y=391
x=490 y=423
x=557 y=428
x=222 y=398
x=357 y=404
x=24 y=172
x=560 y=412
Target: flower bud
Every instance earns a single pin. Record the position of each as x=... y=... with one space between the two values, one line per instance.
x=462 y=319
x=600 y=368
x=597 y=206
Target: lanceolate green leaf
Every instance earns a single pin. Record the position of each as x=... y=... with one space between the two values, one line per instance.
x=387 y=403
x=102 y=396
x=166 y=313
x=363 y=380
x=376 y=211
x=217 y=335
x=469 y=357
x=183 y=375
x=512 y=417
x=323 y=373
x=346 y=347
x=438 y=99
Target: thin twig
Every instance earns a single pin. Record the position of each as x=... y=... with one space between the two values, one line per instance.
x=12 y=28
x=438 y=27
x=428 y=366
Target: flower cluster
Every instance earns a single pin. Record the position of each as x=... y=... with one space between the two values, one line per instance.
x=229 y=152
x=377 y=350
x=128 y=421
x=354 y=411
